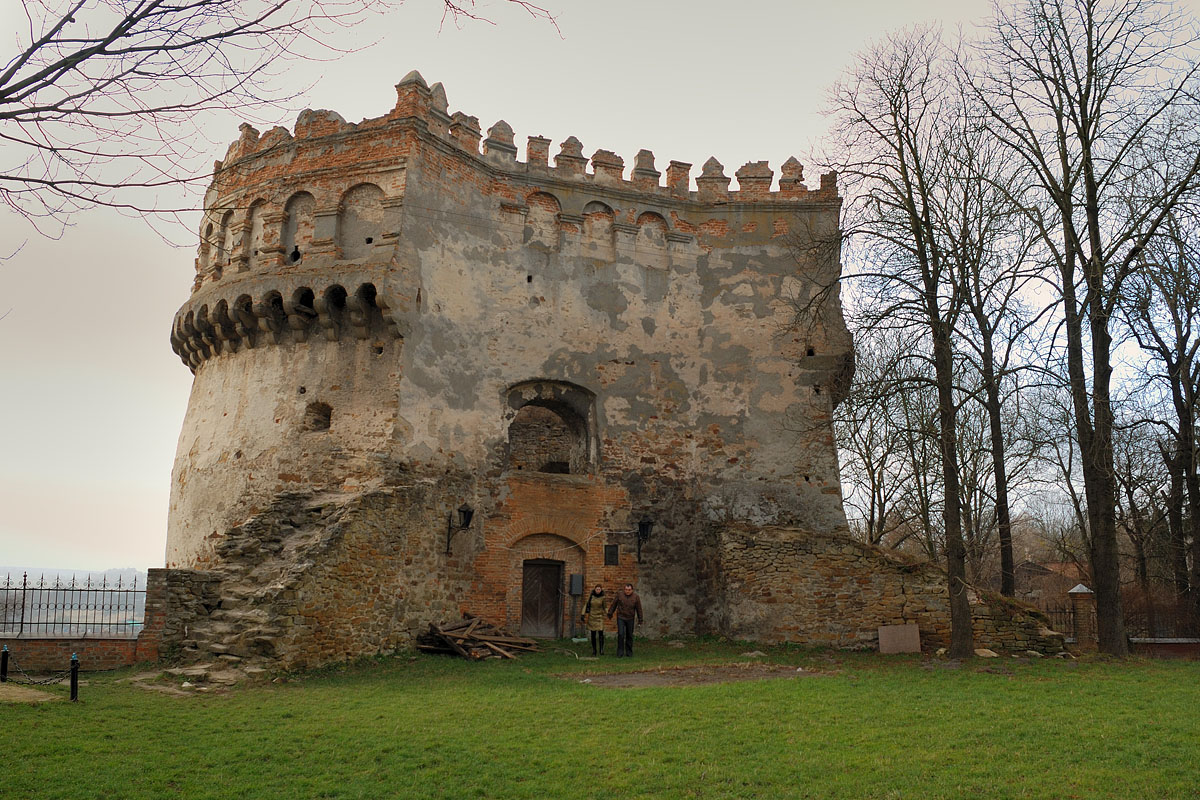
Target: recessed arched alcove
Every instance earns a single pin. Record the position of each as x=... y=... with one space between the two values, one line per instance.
x=551 y=428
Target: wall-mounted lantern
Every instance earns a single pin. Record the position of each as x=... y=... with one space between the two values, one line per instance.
x=465 y=513
x=645 y=525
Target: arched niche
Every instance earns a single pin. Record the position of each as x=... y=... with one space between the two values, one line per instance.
x=541 y=225
x=254 y=237
x=551 y=428
x=206 y=249
x=298 y=226
x=225 y=240
x=360 y=221
x=598 y=228
x=651 y=245
x=652 y=229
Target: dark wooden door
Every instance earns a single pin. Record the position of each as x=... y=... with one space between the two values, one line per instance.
x=541 y=599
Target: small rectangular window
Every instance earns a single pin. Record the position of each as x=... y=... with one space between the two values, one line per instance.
x=611 y=555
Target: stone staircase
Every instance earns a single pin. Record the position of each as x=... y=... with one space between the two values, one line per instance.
x=253 y=612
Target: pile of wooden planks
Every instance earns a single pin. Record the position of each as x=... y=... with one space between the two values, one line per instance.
x=474 y=639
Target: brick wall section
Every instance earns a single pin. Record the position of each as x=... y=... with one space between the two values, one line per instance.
x=53 y=655
x=538 y=437
x=561 y=518
x=785 y=585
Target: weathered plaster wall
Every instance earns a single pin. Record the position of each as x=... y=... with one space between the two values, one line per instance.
x=245 y=440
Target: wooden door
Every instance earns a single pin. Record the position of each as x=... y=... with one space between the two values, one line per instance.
x=541 y=599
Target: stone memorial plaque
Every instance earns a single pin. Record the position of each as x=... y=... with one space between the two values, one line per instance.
x=900 y=638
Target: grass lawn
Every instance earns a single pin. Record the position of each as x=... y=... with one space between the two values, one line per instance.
x=430 y=726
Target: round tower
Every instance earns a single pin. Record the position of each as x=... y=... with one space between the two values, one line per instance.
x=397 y=319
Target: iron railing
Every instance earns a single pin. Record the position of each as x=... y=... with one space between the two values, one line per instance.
x=1142 y=620
x=1062 y=619
x=1163 y=620
x=89 y=607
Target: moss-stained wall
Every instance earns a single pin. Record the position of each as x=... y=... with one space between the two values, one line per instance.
x=776 y=584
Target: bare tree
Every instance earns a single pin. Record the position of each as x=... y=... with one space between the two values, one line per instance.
x=1163 y=316
x=869 y=436
x=99 y=98
x=996 y=272
x=893 y=114
x=1074 y=87
x=887 y=434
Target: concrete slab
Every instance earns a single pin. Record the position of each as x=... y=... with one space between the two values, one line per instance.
x=899 y=638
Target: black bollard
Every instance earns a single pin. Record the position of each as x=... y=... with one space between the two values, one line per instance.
x=74 y=677
x=4 y=665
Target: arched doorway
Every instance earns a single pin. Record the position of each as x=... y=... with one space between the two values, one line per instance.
x=541 y=598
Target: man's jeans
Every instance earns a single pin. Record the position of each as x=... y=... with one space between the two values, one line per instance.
x=624 y=637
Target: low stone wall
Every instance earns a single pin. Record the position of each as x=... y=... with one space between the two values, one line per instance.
x=317 y=579
x=787 y=585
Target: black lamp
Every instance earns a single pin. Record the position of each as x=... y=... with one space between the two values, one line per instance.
x=465 y=513
x=645 y=525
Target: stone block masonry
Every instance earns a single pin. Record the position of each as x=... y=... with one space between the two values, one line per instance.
x=775 y=584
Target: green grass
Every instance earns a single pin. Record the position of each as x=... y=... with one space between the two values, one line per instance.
x=887 y=727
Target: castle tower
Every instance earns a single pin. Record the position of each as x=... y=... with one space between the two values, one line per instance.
x=397 y=319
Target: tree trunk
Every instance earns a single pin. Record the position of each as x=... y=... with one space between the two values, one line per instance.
x=1100 y=487
x=1000 y=474
x=1095 y=457
x=1177 y=534
x=962 y=635
x=1187 y=459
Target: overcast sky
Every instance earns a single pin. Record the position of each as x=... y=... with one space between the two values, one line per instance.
x=91 y=396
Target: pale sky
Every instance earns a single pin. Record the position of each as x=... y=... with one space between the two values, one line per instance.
x=91 y=396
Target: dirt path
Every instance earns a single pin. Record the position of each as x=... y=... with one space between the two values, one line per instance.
x=695 y=675
x=12 y=693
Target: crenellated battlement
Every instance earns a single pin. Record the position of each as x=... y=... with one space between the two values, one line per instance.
x=331 y=194
x=426 y=107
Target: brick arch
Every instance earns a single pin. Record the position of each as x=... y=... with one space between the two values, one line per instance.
x=535 y=524
x=540 y=545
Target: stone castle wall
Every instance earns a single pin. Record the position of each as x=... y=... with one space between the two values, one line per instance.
x=785 y=585
x=309 y=582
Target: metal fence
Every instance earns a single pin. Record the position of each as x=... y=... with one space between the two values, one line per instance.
x=1062 y=619
x=1151 y=621
x=58 y=607
x=1161 y=620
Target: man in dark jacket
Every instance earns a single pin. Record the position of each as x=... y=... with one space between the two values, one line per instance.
x=627 y=606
